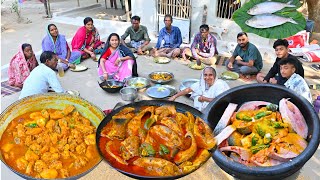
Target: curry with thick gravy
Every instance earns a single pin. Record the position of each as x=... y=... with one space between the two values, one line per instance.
x=50 y=144
x=156 y=141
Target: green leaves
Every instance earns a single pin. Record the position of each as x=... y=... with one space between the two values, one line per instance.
x=285 y=30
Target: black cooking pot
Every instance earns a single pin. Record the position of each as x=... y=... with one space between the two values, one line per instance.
x=111 y=86
x=273 y=94
x=179 y=107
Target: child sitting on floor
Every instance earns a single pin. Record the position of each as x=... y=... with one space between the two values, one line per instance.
x=295 y=82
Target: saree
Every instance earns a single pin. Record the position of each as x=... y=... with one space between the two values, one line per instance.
x=20 y=68
x=118 y=72
x=82 y=40
x=203 y=89
x=124 y=51
x=60 y=48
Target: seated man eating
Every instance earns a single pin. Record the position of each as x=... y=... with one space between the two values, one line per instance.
x=42 y=77
x=204 y=47
x=169 y=40
x=251 y=60
x=139 y=38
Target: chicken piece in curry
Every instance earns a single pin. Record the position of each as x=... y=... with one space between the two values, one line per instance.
x=156 y=141
x=50 y=144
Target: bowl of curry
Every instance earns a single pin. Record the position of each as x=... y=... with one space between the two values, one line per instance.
x=161 y=77
x=50 y=136
x=263 y=131
x=155 y=139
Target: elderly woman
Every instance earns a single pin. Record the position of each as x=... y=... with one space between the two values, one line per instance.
x=21 y=65
x=117 y=61
x=58 y=44
x=87 y=40
x=204 y=91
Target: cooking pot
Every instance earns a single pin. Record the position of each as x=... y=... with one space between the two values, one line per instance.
x=179 y=107
x=53 y=101
x=271 y=93
x=111 y=86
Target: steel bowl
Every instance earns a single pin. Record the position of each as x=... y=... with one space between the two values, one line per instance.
x=138 y=82
x=165 y=74
x=50 y=101
x=129 y=93
x=271 y=93
x=186 y=84
x=111 y=86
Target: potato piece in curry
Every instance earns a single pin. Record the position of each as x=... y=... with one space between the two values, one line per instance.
x=50 y=144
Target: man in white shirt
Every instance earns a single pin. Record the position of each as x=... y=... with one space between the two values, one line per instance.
x=295 y=82
x=42 y=77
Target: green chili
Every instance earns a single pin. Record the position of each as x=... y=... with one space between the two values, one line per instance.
x=257 y=148
x=147 y=150
x=262 y=114
x=163 y=150
x=31 y=125
x=149 y=122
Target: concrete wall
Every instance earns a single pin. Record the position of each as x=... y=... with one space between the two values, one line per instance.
x=148 y=13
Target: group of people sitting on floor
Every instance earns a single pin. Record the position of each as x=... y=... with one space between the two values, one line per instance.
x=118 y=62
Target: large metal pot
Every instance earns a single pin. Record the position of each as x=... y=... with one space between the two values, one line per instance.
x=179 y=107
x=273 y=94
x=53 y=101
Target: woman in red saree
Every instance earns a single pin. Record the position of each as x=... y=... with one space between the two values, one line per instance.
x=87 y=40
x=21 y=65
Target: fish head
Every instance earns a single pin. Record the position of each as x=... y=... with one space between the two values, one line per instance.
x=253 y=10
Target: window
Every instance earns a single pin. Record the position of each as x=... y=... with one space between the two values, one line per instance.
x=177 y=8
x=227 y=7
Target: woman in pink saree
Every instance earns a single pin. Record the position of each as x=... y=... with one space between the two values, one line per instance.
x=117 y=61
x=87 y=40
x=21 y=65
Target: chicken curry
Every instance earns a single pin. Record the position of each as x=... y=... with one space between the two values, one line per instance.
x=50 y=144
x=156 y=141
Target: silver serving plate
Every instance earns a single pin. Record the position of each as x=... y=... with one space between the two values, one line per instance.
x=158 y=92
x=187 y=83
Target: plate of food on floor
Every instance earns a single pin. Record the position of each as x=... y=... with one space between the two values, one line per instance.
x=195 y=66
x=161 y=60
x=79 y=68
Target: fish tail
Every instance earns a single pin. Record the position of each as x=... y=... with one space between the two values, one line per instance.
x=292 y=21
x=289 y=4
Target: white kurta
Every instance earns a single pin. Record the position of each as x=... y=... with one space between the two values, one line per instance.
x=40 y=79
x=219 y=86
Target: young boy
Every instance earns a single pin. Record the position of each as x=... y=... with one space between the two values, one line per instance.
x=295 y=82
x=281 y=49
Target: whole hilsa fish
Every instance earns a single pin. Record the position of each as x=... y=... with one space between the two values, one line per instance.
x=268 y=7
x=267 y=20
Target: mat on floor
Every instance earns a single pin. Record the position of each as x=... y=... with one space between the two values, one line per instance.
x=6 y=89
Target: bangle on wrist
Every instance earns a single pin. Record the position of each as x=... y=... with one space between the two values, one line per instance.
x=105 y=73
x=67 y=60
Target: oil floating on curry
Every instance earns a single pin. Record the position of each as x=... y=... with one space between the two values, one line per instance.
x=50 y=144
x=259 y=134
x=156 y=141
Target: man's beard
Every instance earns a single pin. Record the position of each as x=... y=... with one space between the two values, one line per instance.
x=243 y=45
